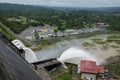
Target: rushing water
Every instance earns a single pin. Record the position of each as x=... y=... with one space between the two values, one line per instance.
x=74 y=55
x=55 y=50
x=29 y=54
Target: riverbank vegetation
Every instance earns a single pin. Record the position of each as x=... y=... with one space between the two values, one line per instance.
x=45 y=43
x=110 y=43
x=99 y=41
x=114 y=37
x=113 y=67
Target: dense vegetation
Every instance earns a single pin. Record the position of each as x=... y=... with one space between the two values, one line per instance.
x=19 y=17
x=7 y=33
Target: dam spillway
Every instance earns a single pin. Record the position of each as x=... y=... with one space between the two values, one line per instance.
x=12 y=66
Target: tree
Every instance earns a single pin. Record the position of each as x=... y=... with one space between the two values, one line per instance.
x=55 y=32
x=36 y=34
x=61 y=29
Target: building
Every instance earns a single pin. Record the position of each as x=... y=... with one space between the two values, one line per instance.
x=101 y=25
x=43 y=31
x=89 y=70
x=100 y=72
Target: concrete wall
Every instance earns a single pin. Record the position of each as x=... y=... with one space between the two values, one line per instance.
x=88 y=76
x=12 y=66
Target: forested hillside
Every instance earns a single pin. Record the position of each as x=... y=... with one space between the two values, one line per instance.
x=19 y=17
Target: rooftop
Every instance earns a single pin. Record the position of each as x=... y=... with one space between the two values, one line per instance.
x=100 y=69
x=88 y=67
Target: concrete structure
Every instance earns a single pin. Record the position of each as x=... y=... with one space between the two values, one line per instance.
x=12 y=66
x=89 y=70
x=44 y=67
x=87 y=76
x=101 y=25
x=29 y=54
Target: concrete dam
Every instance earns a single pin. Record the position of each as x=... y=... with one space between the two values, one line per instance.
x=12 y=66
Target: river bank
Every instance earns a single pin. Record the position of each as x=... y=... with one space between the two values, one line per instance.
x=105 y=47
x=56 y=49
x=42 y=44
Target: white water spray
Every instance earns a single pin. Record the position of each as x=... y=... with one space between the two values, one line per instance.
x=29 y=54
x=75 y=55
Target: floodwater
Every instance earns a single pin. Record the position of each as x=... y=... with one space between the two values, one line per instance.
x=55 y=50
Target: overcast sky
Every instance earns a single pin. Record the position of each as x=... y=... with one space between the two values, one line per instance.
x=68 y=3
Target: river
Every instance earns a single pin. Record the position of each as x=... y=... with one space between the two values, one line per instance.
x=55 y=50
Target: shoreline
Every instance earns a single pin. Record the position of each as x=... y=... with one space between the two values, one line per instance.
x=44 y=43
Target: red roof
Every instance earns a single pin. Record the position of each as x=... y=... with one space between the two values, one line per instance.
x=100 y=70
x=88 y=67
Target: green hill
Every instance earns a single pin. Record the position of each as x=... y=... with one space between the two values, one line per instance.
x=19 y=17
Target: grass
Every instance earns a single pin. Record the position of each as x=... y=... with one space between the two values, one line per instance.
x=86 y=44
x=65 y=76
x=116 y=69
x=26 y=44
x=118 y=50
x=7 y=33
x=114 y=37
x=99 y=41
x=21 y=20
x=10 y=35
x=44 y=44
x=49 y=42
x=113 y=40
x=114 y=46
x=117 y=42
x=104 y=47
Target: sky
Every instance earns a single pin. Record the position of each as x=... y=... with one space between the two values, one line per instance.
x=68 y=3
